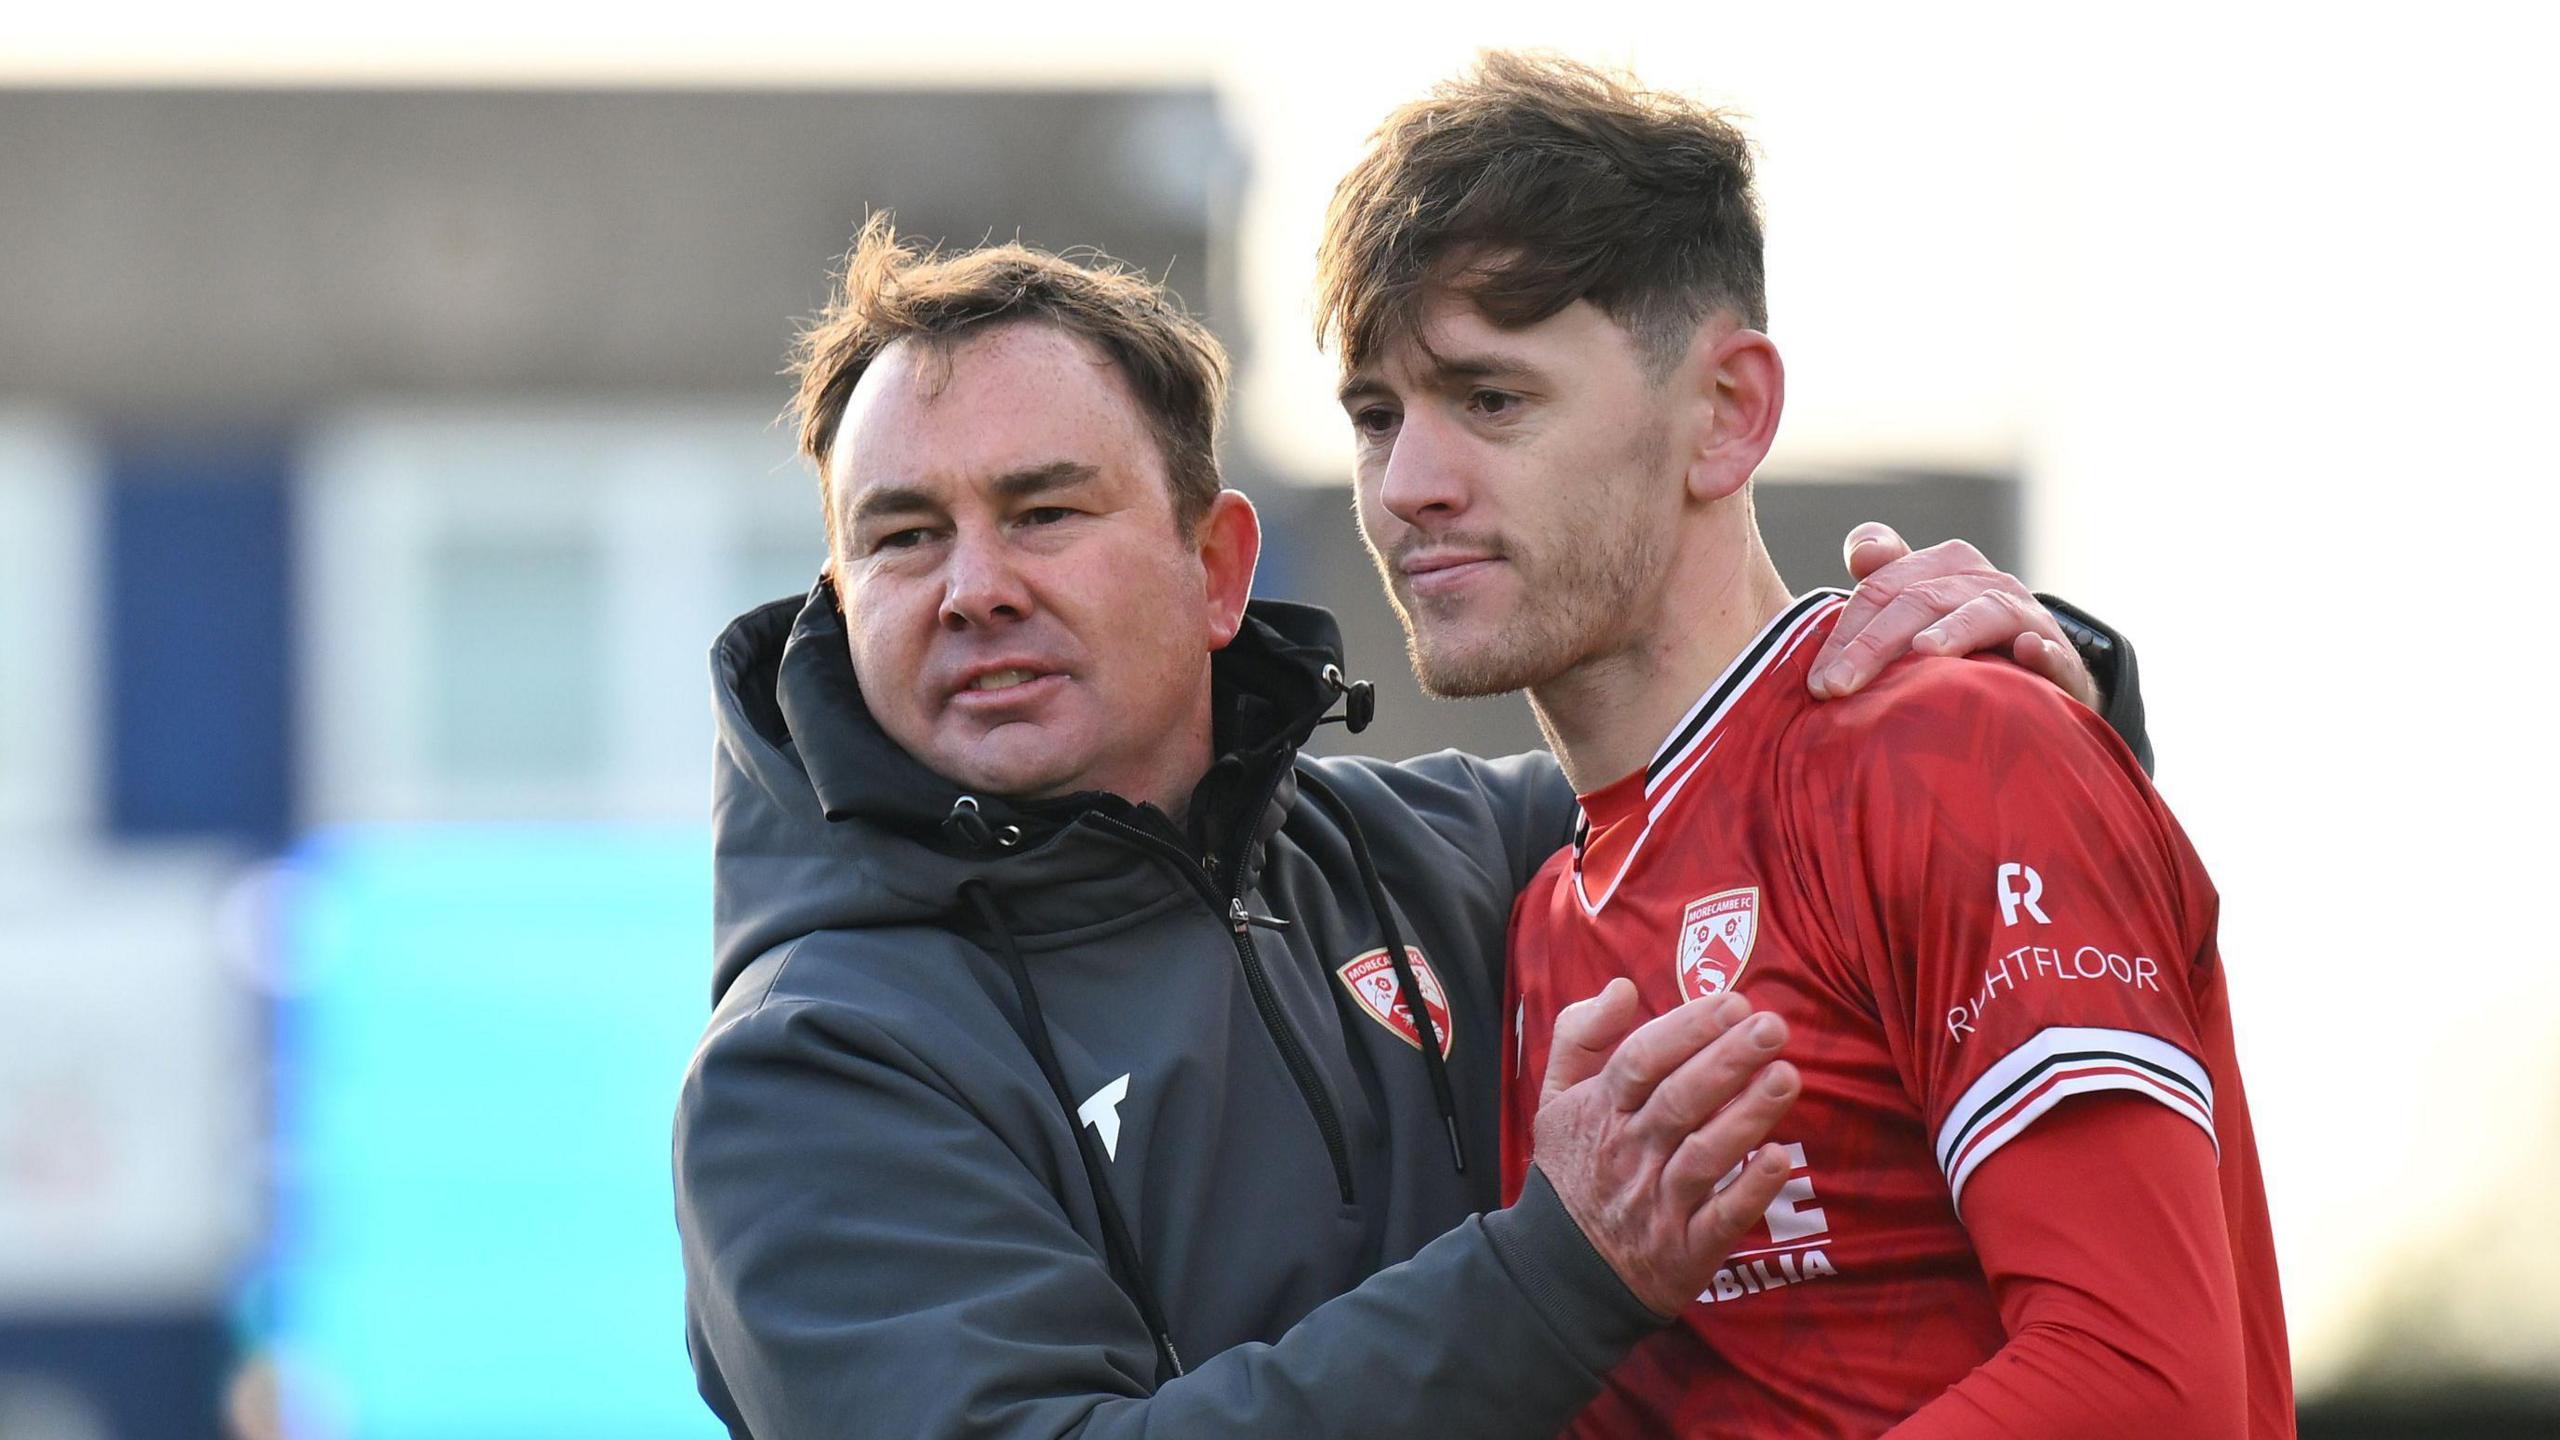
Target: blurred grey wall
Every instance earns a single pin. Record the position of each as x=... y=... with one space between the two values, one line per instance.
x=244 y=255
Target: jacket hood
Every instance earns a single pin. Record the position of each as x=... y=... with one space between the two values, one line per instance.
x=821 y=822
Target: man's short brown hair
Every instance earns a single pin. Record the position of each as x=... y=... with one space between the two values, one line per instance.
x=1531 y=182
x=890 y=291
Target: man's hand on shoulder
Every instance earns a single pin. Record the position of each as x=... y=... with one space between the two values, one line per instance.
x=1637 y=1125
x=1945 y=600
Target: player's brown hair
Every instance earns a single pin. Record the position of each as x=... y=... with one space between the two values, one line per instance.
x=891 y=291
x=1531 y=182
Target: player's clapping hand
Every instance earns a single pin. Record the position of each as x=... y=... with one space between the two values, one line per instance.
x=1634 y=1130
x=1945 y=600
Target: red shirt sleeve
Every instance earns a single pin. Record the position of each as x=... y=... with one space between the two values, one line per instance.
x=2036 y=928
x=2034 y=925
x=2102 y=1234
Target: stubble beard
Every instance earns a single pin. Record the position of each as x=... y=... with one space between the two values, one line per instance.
x=1575 y=589
x=1572 y=593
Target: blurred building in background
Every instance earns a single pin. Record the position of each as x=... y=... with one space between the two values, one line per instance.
x=375 y=471
x=376 y=468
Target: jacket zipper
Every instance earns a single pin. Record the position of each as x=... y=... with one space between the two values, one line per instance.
x=1266 y=1000
x=1292 y=1052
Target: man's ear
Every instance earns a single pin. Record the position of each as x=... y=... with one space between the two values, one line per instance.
x=1742 y=387
x=1230 y=540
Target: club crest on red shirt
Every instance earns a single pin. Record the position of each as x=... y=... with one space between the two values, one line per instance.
x=1371 y=978
x=1716 y=932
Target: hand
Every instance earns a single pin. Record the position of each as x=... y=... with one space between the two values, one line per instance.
x=1945 y=600
x=1635 y=1136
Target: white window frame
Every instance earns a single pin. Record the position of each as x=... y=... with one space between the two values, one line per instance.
x=668 y=495
x=50 y=483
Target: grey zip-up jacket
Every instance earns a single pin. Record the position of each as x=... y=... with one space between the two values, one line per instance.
x=889 y=1226
x=1004 y=1114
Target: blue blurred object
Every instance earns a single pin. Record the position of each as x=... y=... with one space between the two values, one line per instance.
x=121 y=1377
x=197 y=595
x=478 y=1050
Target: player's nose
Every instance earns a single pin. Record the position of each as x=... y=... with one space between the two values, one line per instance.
x=1425 y=478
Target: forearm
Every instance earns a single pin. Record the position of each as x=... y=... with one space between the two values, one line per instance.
x=2061 y=1383
x=2102 y=1235
x=864 y=1255
x=1503 y=1327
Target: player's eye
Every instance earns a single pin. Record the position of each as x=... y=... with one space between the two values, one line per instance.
x=1374 y=421
x=1493 y=403
x=906 y=539
x=1045 y=515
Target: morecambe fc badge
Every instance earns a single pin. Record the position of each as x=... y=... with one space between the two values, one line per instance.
x=1716 y=932
x=1371 y=979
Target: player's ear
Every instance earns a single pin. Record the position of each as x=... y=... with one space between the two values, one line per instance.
x=1739 y=387
x=1229 y=537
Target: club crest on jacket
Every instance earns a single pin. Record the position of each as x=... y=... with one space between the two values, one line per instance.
x=1371 y=978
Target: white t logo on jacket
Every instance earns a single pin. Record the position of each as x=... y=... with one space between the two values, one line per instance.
x=1102 y=1112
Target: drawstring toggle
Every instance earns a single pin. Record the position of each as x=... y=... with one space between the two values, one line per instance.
x=966 y=825
x=1359 y=699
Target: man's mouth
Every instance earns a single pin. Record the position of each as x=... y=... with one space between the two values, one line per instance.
x=1447 y=571
x=1004 y=687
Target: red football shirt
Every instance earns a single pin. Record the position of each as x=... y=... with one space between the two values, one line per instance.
x=1964 y=897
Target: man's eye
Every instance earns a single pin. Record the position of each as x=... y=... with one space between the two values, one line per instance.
x=1493 y=402
x=1373 y=420
x=1045 y=515
x=906 y=539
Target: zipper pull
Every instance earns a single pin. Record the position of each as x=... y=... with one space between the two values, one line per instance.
x=1239 y=918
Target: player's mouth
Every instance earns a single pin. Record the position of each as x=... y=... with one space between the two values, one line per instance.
x=1439 y=574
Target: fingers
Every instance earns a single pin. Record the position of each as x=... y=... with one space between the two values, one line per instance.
x=1711 y=1149
x=1872 y=541
x=1729 y=1214
x=1945 y=600
x=1699 y=1088
x=1900 y=568
x=1666 y=1043
x=1885 y=635
x=1587 y=1033
x=2060 y=664
x=1990 y=621
x=2007 y=622
x=1636 y=1152
x=1870 y=547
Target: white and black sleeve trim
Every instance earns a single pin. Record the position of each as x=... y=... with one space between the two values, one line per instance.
x=2053 y=1065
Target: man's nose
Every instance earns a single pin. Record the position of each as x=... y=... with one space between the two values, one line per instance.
x=982 y=585
x=1425 y=477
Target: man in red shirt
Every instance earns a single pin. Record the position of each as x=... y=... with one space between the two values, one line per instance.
x=2023 y=1197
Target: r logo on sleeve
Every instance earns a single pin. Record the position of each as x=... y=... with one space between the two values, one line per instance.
x=2020 y=888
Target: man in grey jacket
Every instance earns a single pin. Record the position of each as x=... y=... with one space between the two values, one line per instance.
x=1084 y=1060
